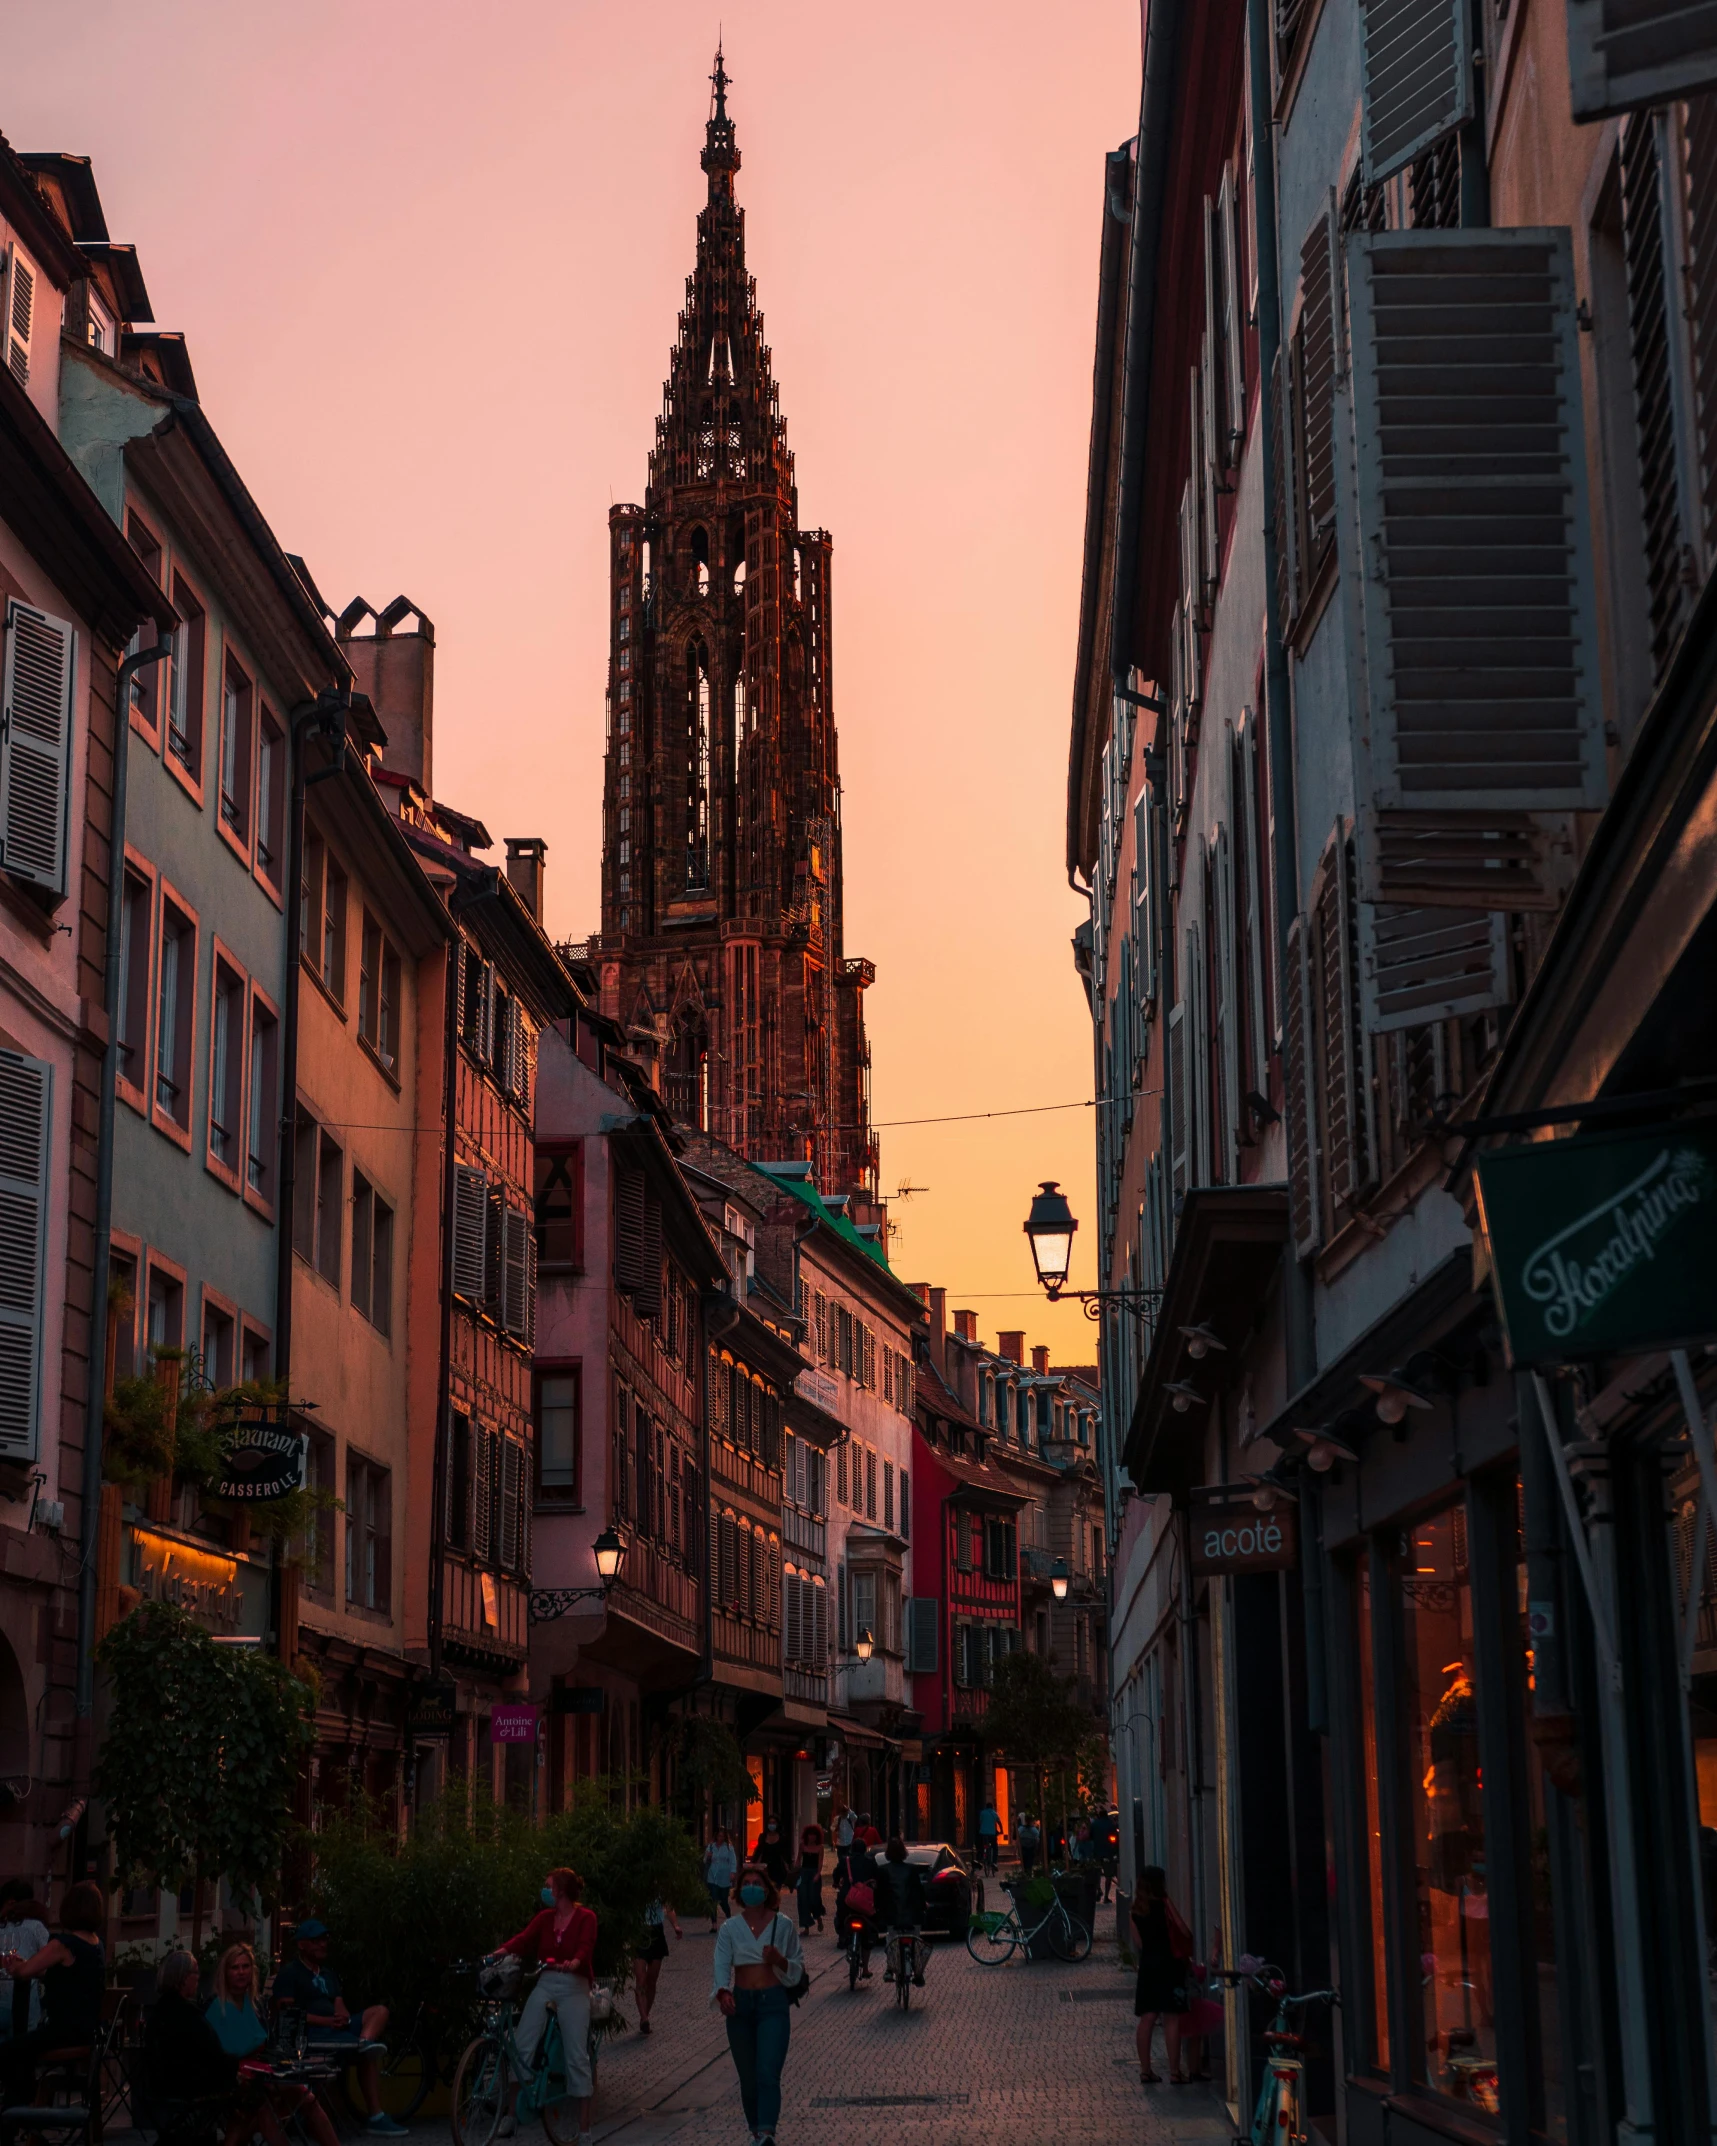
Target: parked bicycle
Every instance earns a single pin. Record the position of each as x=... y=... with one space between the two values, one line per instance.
x=1280 y=2117
x=992 y=1936
x=492 y=2071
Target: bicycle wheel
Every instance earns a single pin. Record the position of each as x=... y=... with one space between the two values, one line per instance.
x=991 y=1938
x=1068 y=1937
x=480 y=2093
x=405 y=2079
x=852 y=1963
x=903 y=1984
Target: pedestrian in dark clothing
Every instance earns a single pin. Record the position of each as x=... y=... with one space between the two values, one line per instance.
x=73 y=1973
x=1164 y=1990
x=771 y=1852
x=810 y=1878
x=182 y=2055
x=1027 y=1840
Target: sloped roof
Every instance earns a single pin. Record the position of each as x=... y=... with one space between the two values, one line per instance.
x=805 y=1191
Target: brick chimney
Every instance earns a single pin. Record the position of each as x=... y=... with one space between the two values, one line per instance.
x=1012 y=1346
x=939 y=1331
x=397 y=671
x=966 y=1326
x=526 y=855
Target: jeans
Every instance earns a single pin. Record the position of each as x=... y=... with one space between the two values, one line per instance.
x=757 y=2034
x=719 y=1909
x=570 y=1996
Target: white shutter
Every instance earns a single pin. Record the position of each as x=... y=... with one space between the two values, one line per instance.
x=1479 y=653
x=470 y=1233
x=20 y=314
x=1417 y=81
x=35 y=745
x=26 y=1095
x=1623 y=54
x=1426 y=964
x=1297 y=1083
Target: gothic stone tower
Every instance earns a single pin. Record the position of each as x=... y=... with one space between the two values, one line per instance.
x=721 y=947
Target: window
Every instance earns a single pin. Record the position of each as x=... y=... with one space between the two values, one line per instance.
x=226 y=1068
x=219 y=1334
x=319 y=1530
x=270 y=799
x=372 y=1254
x=334 y=931
x=264 y=1128
x=330 y=1188
x=558 y=1173
x=559 y=1437
x=164 y=1326
x=175 y=1014
x=237 y=724
x=134 y=948
x=1379 y=1977
x=864 y=1605
x=378 y=994
x=145 y=684
x=184 y=684
x=254 y=1355
x=369 y=1534
x=322 y=916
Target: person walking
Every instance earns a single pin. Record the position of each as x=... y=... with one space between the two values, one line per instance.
x=647 y=1962
x=1026 y=1839
x=810 y=1885
x=757 y=1961
x=846 y=1825
x=1164 y=1988
x=771 y=1852
x=719 y=1865
x=989 y=1834
x=561 y=1938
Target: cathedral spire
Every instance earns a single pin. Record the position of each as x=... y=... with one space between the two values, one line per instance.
x=720 y=156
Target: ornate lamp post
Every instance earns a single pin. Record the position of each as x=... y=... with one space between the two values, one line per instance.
x=1049 y=1227
x=548 y=1603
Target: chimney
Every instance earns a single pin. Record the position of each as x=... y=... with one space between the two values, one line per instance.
x=1040 y=1362
x=1012 y=1346
x=525 y=859
x=939 y=1331
x=397 y=671
x=966 y=1326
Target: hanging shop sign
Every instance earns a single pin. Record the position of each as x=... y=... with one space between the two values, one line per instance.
x=1604 y=1245
x=578 y=1699
x=513 y=1724
x=261 y=1458
x=431 y=1709
x=1229 y=1534
x=817 y=1386
x=225 y=1594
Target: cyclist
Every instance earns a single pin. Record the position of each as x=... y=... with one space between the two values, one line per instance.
x=562 y=1939
x=989 y=1833
x=900 y=1911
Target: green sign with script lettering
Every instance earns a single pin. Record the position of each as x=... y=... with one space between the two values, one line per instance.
x=1605 y=1245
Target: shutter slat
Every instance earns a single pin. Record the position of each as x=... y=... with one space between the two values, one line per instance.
x=1429 y=964
x=1624 y=54
x=1417 y=83
x=1476 y=596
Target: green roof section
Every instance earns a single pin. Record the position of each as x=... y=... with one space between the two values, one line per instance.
x=795 y=1177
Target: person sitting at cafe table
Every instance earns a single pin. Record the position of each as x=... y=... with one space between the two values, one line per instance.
x=312 y=1987
x=239 y=2029
x=73 y=1972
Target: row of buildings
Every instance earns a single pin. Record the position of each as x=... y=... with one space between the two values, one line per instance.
x=1391 y=779
x=559 y=1267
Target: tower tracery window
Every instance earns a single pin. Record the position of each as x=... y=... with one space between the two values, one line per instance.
x=697 y=766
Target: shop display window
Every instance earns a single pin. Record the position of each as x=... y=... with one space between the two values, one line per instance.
x=1373 y=1818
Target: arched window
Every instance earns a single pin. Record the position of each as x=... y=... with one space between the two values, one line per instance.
x=700 y=561
x=697 y=767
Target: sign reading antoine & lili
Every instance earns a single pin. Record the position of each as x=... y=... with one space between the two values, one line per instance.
x=1603 y=1245
x=1229 y=1534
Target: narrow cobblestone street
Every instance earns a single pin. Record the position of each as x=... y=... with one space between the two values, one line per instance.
x=987 y=2056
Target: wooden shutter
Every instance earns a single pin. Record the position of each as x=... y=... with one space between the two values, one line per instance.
x=1283 y=485
x=1213 y=370
x=20 y=316
x=1700 y=132
x=482 y=1493
x=792 y=1642
x=1429 y=964
x=1208 y=471
x=1303 y=1204
x=1258 y=907
x=1626 y=53
x=819 y=1625
x=1417 y=80
x=512 y=1484
x=35 y=745
x=1225 y=1145
x=26 y=1096
x=470 y=1233
x=517 y=1251
x=1191 y=596
x=1477 y=591
x=1313 y=378
x=486 y=1014
x=1341 y=1063
x=1232 y=323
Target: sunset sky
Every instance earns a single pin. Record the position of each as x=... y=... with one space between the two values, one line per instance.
x=428 y=260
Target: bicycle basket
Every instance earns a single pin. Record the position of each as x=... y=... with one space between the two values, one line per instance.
x=987 y=1920
x=498 y=1977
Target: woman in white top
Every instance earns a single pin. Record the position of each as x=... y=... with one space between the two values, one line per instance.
x=757 y=1961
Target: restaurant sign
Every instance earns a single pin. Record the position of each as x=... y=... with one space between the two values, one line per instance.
x=225 y=1594
x=261 y=1458
x=1229 y=1533
x=1603 y=1245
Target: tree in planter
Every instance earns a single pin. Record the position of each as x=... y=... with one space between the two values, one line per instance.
x=201 y=1753
x=1034 y=1718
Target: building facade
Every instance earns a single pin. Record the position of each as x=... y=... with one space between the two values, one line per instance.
x=722 y=952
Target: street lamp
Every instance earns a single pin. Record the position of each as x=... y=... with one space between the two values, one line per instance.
x=863 y=1645
x=1394 y=1396
x=1058 y=1580
x=1049 y=1227
x=548 y=1603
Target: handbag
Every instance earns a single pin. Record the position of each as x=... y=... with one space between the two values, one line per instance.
x=795 y=1990
x=601 y=2004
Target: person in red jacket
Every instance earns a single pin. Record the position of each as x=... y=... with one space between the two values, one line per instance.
x=562 y=1940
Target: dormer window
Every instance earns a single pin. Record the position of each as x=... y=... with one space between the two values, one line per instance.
x=100 y=329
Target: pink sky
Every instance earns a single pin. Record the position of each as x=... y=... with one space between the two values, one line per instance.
x=428 y=260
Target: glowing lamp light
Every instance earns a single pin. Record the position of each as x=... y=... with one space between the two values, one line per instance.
x=1058 y=1580
x=864 y=1644
x=610 y=1553
x=1181 y=1394
x=1394 y=1396
x=1050 y=1226
x=1323 y=1451
x=1200 y=1340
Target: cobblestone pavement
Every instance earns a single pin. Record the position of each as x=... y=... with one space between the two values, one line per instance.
x=987 y=2056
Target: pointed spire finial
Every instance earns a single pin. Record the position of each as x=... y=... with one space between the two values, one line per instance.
x=719 y=78
x=720 y=157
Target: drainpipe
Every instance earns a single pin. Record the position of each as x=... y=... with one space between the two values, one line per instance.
x=95 y=1413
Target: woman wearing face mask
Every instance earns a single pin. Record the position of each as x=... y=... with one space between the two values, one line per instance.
x=757 y=1961
x=562 y=1939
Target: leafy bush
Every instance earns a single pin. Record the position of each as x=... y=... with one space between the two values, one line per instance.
x=401 y=1912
